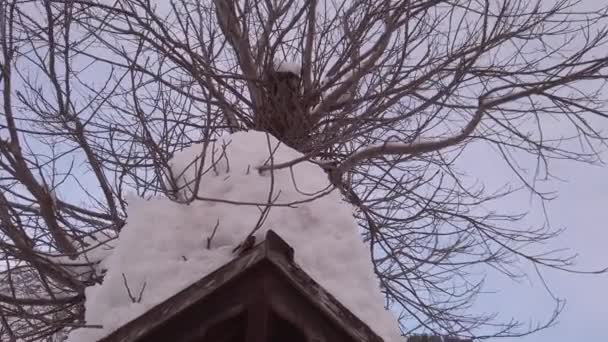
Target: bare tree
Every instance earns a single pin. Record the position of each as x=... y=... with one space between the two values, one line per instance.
x=384 y=95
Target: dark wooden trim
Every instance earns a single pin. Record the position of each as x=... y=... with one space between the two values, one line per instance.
x=324 y=301
x=258 y=312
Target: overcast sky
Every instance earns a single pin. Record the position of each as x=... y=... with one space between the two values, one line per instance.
x=582 y=208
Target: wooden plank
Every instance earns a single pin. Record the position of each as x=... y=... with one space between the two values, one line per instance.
x=294 y=307
x=258 y=310
x=324 y=301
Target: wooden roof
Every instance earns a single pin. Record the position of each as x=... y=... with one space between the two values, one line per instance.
x=266 y=275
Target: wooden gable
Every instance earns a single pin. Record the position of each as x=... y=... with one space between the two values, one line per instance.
x=260 y=296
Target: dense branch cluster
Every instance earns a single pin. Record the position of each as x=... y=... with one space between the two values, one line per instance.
x=98 y=95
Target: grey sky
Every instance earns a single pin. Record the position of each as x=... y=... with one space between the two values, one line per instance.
x=581 y=208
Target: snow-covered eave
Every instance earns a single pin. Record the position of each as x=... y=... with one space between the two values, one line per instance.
x=166 y=246
x=273 y=252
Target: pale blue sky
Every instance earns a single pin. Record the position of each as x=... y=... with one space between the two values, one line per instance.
x=581 y=207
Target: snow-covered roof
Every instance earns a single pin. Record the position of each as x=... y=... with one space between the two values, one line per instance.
x=269 y=268
x=166 y=246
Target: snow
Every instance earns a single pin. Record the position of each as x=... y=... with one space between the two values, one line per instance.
x=71 y=125
x=97 y=247
x=344 y=98
x=290 y=67
x=164 y=243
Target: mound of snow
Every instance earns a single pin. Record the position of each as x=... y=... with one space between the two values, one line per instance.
x=289 y=67
x=163 y=247
x=90 y=264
